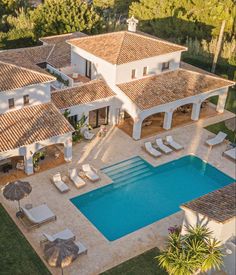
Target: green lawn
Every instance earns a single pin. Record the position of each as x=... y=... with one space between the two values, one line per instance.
x=230 y=106
x=16 y=254
x=144 y=264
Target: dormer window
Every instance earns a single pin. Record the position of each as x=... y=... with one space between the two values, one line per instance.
x=26 y=99
x=11 y=103
x=165 y=66
x=145 y=71
x=133 y=75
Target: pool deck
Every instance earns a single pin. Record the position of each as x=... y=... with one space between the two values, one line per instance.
x=101 y=152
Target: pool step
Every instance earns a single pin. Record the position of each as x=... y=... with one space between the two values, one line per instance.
x=123 y=165
x=130 y=174
x=132 y=179
x=127 y=170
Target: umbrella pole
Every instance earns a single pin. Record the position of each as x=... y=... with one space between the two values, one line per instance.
x=62 y=271
x=19 y=204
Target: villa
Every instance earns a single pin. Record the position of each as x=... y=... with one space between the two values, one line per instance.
x=137 y=86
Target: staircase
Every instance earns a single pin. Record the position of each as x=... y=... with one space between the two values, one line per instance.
x=129 y=171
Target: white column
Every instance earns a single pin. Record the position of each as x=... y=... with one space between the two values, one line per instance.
x=137 y=128
x=221 y=102
x=68 y=150
x=168 y=120
x=196 y=111
x=112 y=116
x=29 y=168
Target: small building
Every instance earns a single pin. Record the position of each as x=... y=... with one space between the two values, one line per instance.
x=216 y=210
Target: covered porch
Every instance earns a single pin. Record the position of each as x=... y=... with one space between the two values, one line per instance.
x=13 y=168
x=154 y=124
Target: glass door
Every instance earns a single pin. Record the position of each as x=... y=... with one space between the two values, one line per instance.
x=99 y=117
x=88 y=69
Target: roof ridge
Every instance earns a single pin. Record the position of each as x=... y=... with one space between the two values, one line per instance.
x=119 y=50
x=155 y=38
x=95 y=35
x=25 y=69
x=210 y=75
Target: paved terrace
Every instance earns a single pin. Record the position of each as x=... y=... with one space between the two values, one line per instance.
x=116 y=146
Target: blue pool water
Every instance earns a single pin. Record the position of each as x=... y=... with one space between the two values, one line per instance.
x=142 y=194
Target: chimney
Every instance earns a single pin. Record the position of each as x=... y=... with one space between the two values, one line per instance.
x=132 y=24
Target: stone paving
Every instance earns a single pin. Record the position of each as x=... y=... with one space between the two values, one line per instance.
x=100 y=152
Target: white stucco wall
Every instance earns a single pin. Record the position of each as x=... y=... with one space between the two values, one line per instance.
x=221 y=231
x=99 y=69
x=38 y=94
x=84 y=109
x=153 y=64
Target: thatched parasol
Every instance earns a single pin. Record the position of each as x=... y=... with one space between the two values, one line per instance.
x=17 y=190
x=61 y=253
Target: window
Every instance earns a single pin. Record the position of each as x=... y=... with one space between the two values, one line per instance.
x=73 y=120
x=165 y=66
x=99 y=117
x=11 y=103
x=133 y=74
x=26 y=99
x=145 y=71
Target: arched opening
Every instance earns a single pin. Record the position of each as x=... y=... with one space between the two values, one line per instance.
x=208 y=107
x=11 y=168
x=182 y=115
x=152 y=124
x=48 y=157
x=126 y=123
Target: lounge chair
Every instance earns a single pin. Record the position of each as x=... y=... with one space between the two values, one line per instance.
x=162 y=146
x=66 y=234
x=176 y=146
x=151 y=150
x=82 y=248
x=90 y=173
x=60 y=185
x=39 y=214
x=88 y=135
x=78 y=182
x=231 y=153
x=219 y=138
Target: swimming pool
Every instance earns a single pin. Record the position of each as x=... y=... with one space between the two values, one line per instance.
x=142 y=194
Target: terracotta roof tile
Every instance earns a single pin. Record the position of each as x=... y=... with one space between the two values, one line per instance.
x=89 y=92
x=123 y=47
x=219 y=205
x=31 y=124
x=13 y=77
x=170 y=86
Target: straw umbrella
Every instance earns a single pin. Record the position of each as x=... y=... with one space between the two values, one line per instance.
x=61 y=253
x=17 y=190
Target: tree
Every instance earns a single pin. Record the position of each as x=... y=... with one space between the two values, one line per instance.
x=194 y=252
x=64 y=16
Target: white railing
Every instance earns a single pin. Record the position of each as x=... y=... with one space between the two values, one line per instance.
x=65 y=77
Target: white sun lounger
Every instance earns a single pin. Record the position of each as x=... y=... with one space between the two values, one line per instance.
x=82 y=248
x=151 y=150
x=60 y=185
x=162 y=146
x=66 y=234
x=78 y=182
x=88 y=135
x=176 y=146
x=231 y=153
x=90 y=173
x=39 y=214
x=219 y=138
